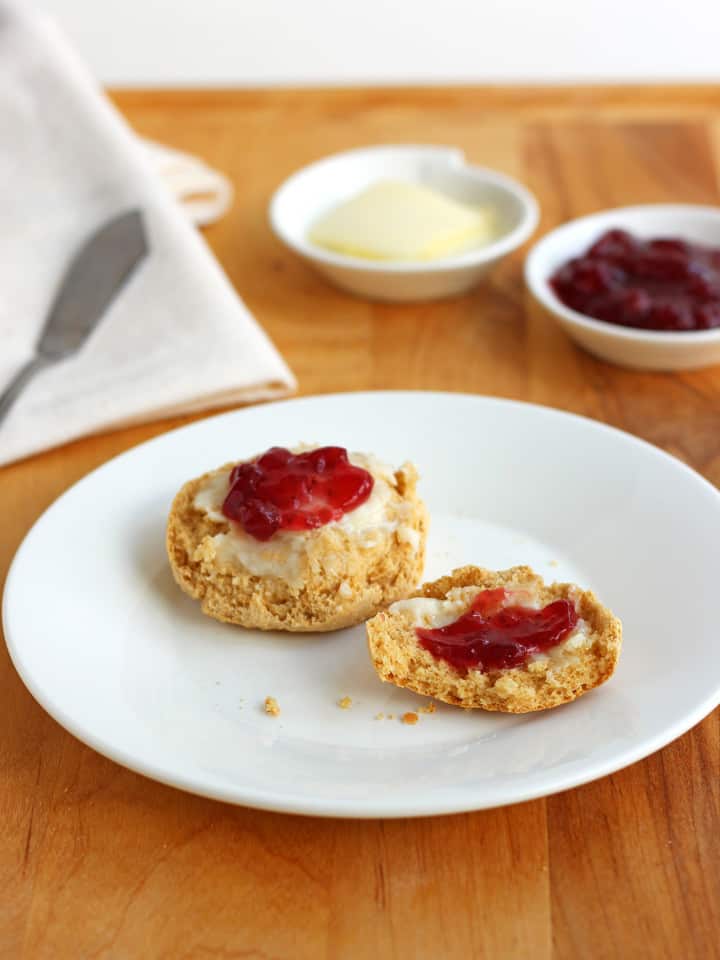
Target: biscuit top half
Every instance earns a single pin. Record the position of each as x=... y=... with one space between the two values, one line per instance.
x=387 y=515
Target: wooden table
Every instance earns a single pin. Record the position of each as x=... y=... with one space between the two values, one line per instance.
x=97 y=862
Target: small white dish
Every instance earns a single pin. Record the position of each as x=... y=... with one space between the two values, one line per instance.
x=126 y=662
x=321 y=186
x=638 y=349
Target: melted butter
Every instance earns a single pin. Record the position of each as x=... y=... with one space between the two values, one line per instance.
x=434 y=613
x=210 y=498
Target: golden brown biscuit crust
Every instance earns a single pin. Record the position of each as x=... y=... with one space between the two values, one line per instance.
x=371 y=577
x=398 y=657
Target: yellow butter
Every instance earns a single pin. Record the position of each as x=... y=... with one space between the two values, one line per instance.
x=397 y=220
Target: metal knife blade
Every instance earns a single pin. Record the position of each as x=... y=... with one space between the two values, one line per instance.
x=93 y=278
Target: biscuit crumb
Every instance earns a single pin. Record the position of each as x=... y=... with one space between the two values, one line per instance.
x=391 y=716
x=379 y=716
x=554 y=563
x=272 y=707
x=429 y=708
x=345 y=703
x=410 y=718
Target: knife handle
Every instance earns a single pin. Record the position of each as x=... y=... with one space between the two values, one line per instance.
x=18 y=382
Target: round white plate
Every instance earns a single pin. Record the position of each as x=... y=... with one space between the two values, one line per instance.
x=114 y=651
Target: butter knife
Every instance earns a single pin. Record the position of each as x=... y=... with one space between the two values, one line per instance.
x=93 y=279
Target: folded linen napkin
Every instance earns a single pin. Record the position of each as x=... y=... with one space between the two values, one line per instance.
x=177 y=337
x=204 y=194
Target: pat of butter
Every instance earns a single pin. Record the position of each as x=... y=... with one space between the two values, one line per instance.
x=394 y=220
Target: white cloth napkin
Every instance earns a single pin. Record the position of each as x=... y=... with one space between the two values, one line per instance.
x=203 y=193
x=177 y=337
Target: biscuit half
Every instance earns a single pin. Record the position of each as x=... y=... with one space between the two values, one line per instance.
x=583 y=661
x=324 y=579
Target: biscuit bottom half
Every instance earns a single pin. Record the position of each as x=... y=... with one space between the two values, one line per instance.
x=578 y=664
x=343 y=579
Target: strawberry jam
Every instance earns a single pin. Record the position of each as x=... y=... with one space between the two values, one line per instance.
x=281 y=490
x=494 y=635
x=660 y=284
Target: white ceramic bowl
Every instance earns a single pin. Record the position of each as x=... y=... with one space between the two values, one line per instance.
x=319 y=187
x=640 y=349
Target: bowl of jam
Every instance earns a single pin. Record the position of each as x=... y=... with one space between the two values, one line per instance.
x=638 y=286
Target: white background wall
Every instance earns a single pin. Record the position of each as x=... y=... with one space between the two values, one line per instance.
x=240 y=42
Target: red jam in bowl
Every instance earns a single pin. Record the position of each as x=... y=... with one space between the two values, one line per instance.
x=495 y=636
x=281 y=490
x=660 y=284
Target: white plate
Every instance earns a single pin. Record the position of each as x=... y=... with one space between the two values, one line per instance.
x=117 y=654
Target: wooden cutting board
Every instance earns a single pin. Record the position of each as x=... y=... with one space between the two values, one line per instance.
x=98 y=862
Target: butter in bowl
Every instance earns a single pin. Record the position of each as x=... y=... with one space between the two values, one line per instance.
x=403 y=223
x=399 y=221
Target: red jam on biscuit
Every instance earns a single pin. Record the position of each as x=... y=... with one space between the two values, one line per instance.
x=660 y=284
x=280 y=490
x=495 y=635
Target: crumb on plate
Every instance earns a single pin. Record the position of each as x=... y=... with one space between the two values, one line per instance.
x=379 y=716
x=410 y=718
x=428 y=708
x=345 y=703
x=272 y=707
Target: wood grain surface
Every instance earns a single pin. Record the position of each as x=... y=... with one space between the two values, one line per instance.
x=97 y=862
